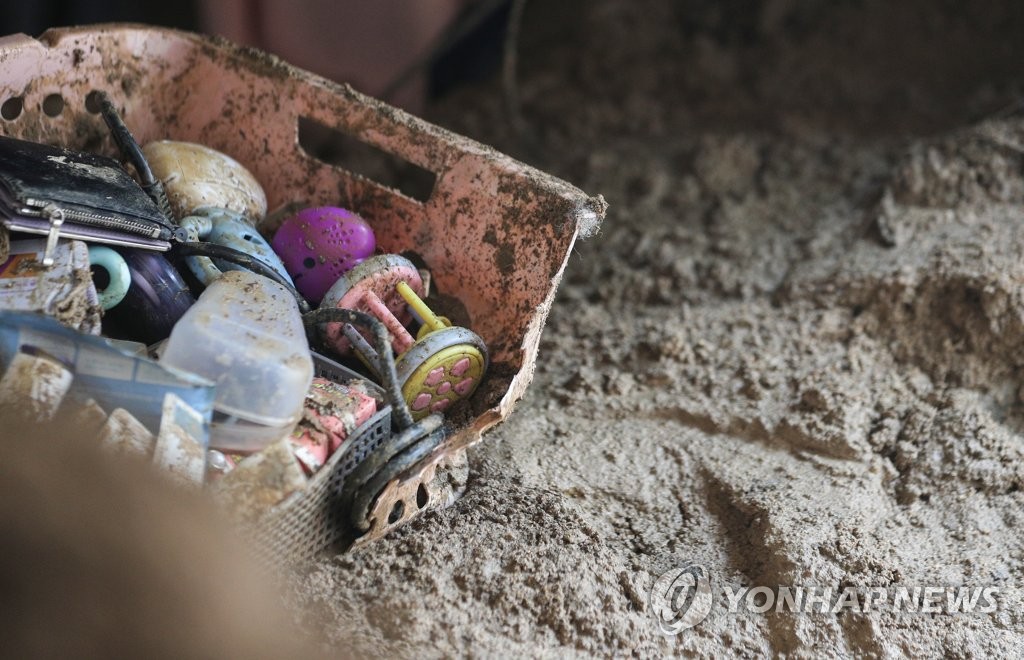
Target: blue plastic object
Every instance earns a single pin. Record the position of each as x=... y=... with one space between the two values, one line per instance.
x=118 y=276
x=230 y=229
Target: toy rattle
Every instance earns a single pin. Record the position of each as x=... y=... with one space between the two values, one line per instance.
x=229 y=229
x=443 y=364
x=194 y=176
x=318 y=245
x=145 y=295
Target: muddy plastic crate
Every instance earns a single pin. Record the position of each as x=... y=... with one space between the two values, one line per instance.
x=309 y=520
x=494 y=233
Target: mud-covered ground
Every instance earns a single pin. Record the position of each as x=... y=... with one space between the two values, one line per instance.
x=792 y=355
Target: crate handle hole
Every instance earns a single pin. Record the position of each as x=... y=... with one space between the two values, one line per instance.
x=53 y=105
x=12 y=107
x=422 y=497
x=340 y=149
x=92 y=101
x=396 y=512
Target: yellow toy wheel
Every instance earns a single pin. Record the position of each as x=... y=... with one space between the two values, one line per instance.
x=442 y=368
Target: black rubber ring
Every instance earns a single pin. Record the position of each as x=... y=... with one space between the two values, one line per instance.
x=383 y=454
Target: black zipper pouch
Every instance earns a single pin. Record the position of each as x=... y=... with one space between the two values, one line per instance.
x=68 y=194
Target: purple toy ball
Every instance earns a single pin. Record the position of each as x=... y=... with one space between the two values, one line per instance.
x=318 y=245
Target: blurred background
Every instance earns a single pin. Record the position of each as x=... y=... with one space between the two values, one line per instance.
x=630 y=67
x=402 y=51
x=621 y=67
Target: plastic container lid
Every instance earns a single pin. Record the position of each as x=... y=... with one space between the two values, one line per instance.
x=245 y=333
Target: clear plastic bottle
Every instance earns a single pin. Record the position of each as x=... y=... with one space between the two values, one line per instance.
x=245 y=333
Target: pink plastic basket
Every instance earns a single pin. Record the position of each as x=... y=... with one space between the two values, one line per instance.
x=494 y=233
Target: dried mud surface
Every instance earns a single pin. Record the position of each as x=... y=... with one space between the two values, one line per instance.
x=791 y=354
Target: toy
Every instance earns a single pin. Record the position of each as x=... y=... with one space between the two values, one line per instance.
x=333 y=412
x=115 y=273
x=382 y=458
x=445 y=364
x=441 y=365
x=195 y=176
x=246 y=335
x=229 y=229
x=319 y=245
x=371 y=287
x=154 y=301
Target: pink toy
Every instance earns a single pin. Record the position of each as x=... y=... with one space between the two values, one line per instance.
x=319 y=245
x=333 y=411
x=439 y=366
x=371 y=288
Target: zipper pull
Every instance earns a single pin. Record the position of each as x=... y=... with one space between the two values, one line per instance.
x=180 y=235
x=56 y=216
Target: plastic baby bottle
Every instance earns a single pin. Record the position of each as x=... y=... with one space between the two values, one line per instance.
x=245 y=333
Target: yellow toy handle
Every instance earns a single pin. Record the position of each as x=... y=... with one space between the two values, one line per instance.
x=431 y=321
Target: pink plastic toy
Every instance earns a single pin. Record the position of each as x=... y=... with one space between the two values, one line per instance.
x=333 y=412
x=319 y=245
x=441 y=365
x=371 y=288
